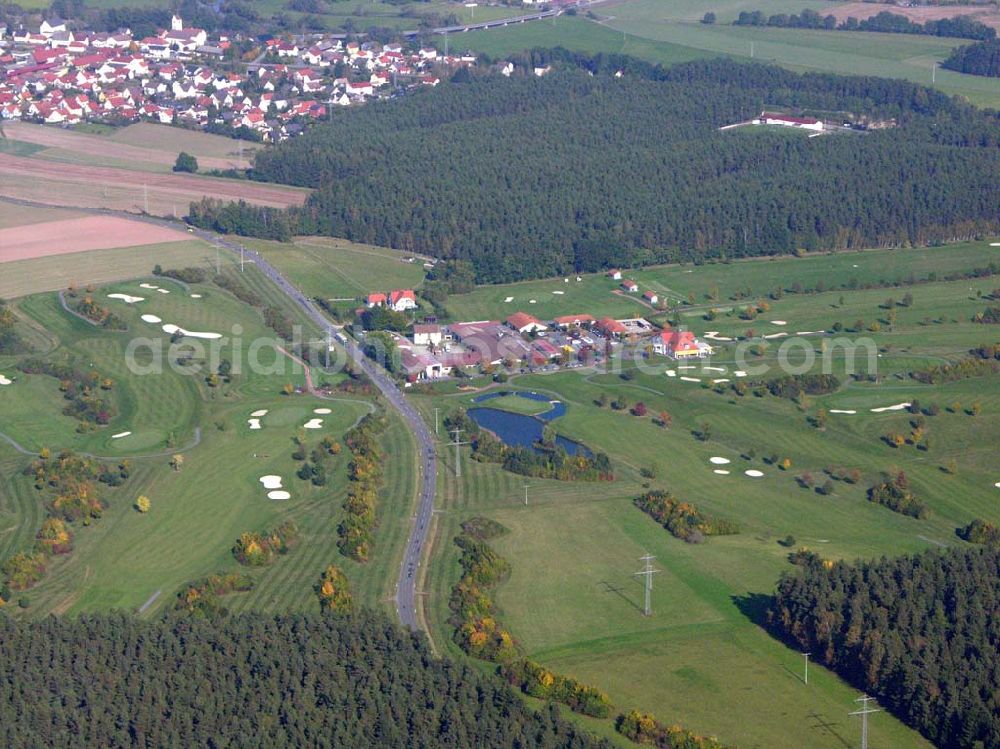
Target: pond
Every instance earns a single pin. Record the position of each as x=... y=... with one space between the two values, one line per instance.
x=519 y=429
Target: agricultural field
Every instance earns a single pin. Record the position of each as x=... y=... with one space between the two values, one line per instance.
x=138 y=561
x=143 y=146
x=668 y=33
x=701 y=659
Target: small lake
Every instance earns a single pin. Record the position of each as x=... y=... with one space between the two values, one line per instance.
x=522 y=430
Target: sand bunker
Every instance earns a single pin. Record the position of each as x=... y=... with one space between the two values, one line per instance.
x=810 y=332
x=753 y=473
x=163 y=291
x=670 y=373
x=740 y=373
x=171 y=329
x=532 y=301
x=4 y=380
x=128 y=299
x=714 y=369
x=994 y=244
x=196 y=296
x=322 y=411
x=278 y=494
x=897 y=407
x=261 y=412
x=120 y=435
x=686 y=366
x=508 y=300
x=997 y=484
x=719 y=461
x=690 y=379
x=254 y=423
x=713 y=335
x=559 y=292
x=776 y=335
x=842 y=411
x=151 y=319
x=778 y=322
x=720 y=380
x=148 y=286
x=313 y=424
x=271 y=482
x=721 y=471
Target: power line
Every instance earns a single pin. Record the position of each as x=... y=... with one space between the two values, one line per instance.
x=458 y=443
x=647 y=572
x=864 y=712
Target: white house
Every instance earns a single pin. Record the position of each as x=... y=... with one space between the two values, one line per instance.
x=427 y=335
x=401 y=300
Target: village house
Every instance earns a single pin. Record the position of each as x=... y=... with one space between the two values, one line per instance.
x=630 y=286
x=401 y=300
x=427 y=335
x=651 y=297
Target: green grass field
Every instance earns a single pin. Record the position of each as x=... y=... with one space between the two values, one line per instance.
x=126 y=558
x=702 y=660
x=667 y=33
x=336 y=269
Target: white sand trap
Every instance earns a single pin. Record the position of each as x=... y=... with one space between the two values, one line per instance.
x=719 y=461
x=148 y=286
x=196 y=296
x=670 y=373
x=810 y=332
x=313 y=424
x=855 y=265
x=776 y=335
x=714 y=369
x=5 y=381
x=713 y=335
x=842 y=411
x=754 y=474
x=271 y=482
x=120 y=435
x=261 y=412
x=322 y=411
x=740 y=373
x=163 y=291
x=778 y=322
x=690 y=379
x=532 y=301
x=278 y=494
x=559 y=292
x=721 y=472
x=997 y=484
x=720 y=380
x=897 y=407
x=151 y=319
x=254 y=423
x=994 y=244
x=686 y=366
x=170 y=328
x=127 y=298
x=508 y=300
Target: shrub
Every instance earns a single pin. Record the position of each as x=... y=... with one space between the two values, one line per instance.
x=260 y=549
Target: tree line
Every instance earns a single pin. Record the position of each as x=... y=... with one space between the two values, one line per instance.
x=918 y=632
x=633 y=170
x=982 y=58
x=959 y=27
x=253 y=680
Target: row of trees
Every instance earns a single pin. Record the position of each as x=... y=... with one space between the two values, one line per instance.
x=982 y=58
x=204 y=597
x=88 y=393
x=643 y=728
x=895 y=493
x=255 y=681
x=917 y=632
x=959 y=27
x=257 y=549
x=650 y=178
x=10 y=341
x=356 y=531
x=683 y=519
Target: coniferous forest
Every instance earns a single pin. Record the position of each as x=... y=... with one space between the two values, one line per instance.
x=252 y=681
x=982 y=58
x=919 y=632
x=582 y=169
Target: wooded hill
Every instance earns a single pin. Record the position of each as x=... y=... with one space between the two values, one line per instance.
x=919 y=632
x=529 y=177
x=252 y=681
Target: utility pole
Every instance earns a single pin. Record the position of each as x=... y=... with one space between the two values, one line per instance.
x=436 y=412
x=145 y=198
x=525 y=495
x=458 y=443
x=647 y=572
x=241 y=258
x=934 y=73
x=806 y=678
x=864 y=712
x=751 y=50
